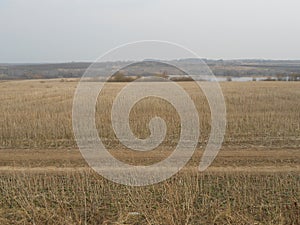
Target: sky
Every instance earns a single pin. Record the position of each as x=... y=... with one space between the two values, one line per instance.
x=33 y=31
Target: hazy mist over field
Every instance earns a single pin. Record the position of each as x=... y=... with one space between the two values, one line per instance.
x=60 y=31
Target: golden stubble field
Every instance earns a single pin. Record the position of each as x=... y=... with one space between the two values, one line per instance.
x=255 y=179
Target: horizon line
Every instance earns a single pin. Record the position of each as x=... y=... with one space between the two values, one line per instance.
x=135 y=60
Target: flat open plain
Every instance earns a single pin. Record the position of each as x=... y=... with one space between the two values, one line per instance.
x=255 y=178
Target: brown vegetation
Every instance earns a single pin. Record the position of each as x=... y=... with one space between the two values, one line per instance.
x=254 y=179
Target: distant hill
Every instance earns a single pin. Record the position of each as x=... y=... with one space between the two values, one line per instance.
x=231 y=68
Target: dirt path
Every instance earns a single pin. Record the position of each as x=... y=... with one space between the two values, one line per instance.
x=245 y=169
x=62 y=160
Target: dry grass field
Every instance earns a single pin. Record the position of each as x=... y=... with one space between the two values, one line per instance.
x=255 y=179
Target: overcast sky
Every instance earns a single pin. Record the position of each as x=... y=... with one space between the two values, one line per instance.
x=81 y=30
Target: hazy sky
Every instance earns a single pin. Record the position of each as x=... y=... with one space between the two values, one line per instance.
x=77 y=30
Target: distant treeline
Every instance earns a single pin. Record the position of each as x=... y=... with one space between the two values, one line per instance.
x=281 y=70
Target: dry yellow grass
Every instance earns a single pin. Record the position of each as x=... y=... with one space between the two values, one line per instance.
x=254 y=180
x=187 y=198
x=37 y=114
